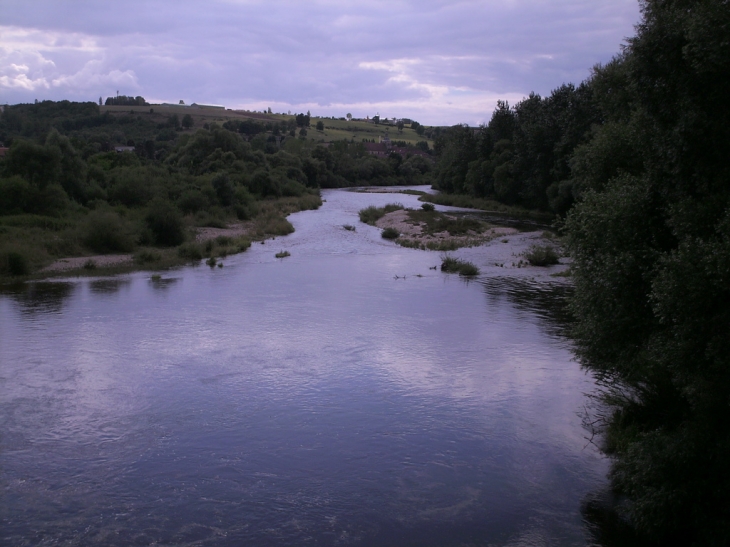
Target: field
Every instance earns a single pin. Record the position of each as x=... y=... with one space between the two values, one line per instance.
x=334 y=129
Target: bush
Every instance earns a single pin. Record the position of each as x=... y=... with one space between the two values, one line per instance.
x=454 y=265
x=390 y=233
x=390 y=207
x=13 y=263
x=541 y=255
x=282 y=254
x=16 y=196
x=293 y=188
x=191 y=251
x=192 y=201
x=370 y=215
x=428 y=207
x=166 y=223
x=105 y=232
x=145 y=256
x=468 y=269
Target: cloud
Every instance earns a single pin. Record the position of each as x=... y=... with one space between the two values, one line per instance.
x=446 y=61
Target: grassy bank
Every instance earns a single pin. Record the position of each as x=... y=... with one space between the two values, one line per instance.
x=30 y=243
x=471 y=202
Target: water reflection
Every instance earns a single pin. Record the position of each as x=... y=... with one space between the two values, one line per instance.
x=548 y=300
x=109 y=286
x=315 y=401
x=163 y=283
x=39 y=298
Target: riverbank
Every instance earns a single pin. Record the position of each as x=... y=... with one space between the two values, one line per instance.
x=58 y=250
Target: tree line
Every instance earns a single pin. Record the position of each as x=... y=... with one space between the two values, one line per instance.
x=64 y=175
x=635 y=160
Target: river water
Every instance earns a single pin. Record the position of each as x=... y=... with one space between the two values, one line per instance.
x=311 y=400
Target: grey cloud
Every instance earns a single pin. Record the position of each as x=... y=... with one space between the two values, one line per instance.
x=320 y=53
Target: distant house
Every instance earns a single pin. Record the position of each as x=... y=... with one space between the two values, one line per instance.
x=120 y=149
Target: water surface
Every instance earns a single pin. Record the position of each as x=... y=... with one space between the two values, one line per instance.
x=314 y=400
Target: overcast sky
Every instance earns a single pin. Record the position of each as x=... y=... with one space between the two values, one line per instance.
x=439 y=62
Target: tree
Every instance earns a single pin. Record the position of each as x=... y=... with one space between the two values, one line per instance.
x=349 y=116
x=320 y=126
x=650 y=241
x=400 y=126
x=376 y=120
x=187 y=121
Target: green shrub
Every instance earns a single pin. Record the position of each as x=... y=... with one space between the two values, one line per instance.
x=449 y=264
x=106 y=232
x=468 y=269
x=16 y=195
x=145 y=256
x=293 y=188
x=428 y=207
x=454 y=265
x=190 y=251
x=370 y=215
x=192 y=201
x=89 y=265
x=165 y=223
x=390 y=233
x=273 y=225
x=13 y=263
x=390 y=207
x=282 y=254
x=541 y=255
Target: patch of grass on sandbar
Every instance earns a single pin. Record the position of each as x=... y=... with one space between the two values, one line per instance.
x=370 y=215
x=450 y=264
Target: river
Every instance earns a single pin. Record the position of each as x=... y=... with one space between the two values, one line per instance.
x=310 y=400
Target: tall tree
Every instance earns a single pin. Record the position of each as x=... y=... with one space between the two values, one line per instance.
x=650 y=239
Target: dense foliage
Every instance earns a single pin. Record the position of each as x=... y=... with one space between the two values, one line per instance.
x=150 y=175
x=636 y=157
x=522 y=157
x=651 y=243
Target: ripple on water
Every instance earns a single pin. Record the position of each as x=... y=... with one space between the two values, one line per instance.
x=314 y=400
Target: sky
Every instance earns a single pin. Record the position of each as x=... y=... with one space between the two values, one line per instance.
x=437 y=62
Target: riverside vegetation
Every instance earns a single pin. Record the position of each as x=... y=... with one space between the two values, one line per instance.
x=634 y=161
x=79 y=182
x=428 y=229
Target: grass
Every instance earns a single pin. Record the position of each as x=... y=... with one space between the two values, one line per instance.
x=471 y=202
x=282 y=254
x=450 y=264
x=443 y=245
x=542 y=255
x=370 y=215
x=390 y=233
